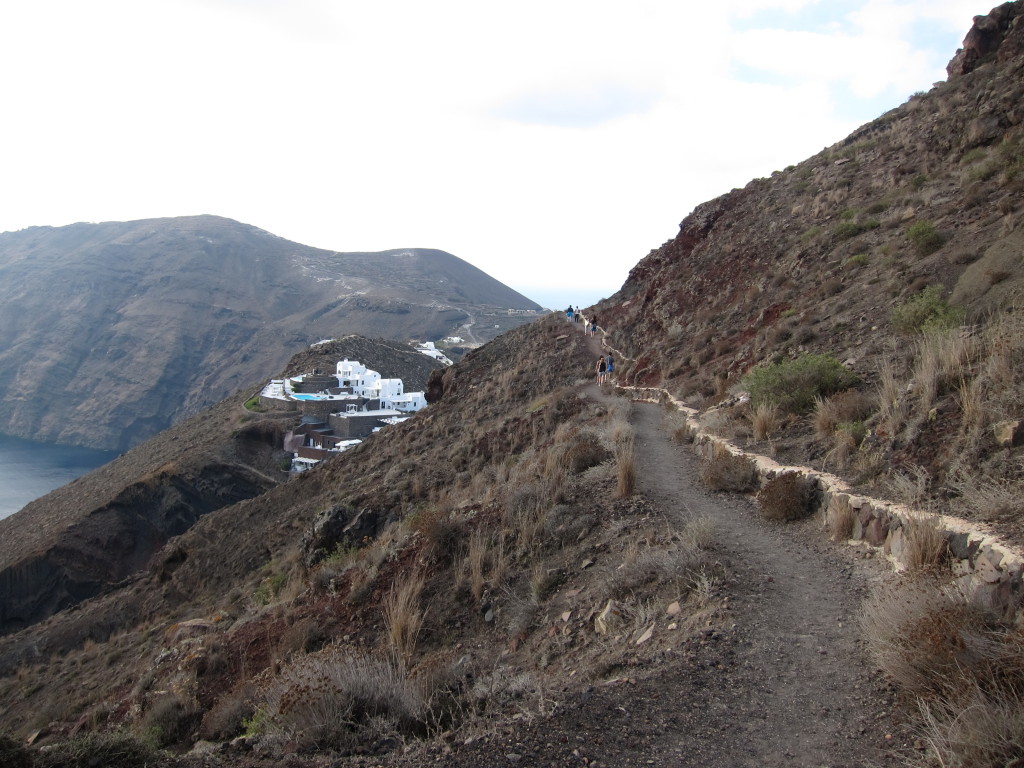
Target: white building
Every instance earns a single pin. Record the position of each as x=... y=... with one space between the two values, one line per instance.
x=428 y=349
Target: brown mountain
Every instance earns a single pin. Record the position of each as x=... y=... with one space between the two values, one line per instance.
x=112 y=332
x=484 y=585
x=91 y=533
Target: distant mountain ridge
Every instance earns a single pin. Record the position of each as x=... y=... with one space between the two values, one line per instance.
x=111 y=332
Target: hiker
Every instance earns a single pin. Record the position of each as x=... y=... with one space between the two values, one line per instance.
x=578 y=315
x=593 y=327
x=602 y=366
x=610 y=367
x=568 y=313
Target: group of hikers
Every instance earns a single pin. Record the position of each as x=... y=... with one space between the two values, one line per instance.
x=605 y=364
x=575 y=316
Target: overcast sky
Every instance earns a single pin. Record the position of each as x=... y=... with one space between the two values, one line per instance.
x=552 y=144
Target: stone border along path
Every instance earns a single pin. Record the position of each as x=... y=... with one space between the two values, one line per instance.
x=989 y=571
x=783 y=680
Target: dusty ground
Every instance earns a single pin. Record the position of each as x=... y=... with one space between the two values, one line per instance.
x=782 y=681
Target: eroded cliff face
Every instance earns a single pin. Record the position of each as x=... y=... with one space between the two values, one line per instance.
x=80 y=540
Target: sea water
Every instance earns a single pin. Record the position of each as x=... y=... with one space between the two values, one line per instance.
x=29 y=469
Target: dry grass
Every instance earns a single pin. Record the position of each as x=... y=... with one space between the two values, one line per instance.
x=942 y=359
x=335 y=700
x=403 y=617
x=841 y=519
x=985 y=730
x=726 y=471
x=925 y=543
x=892 y=406
x=764 y=421
x=964 y=664
x=625 y=468
x=476 y=559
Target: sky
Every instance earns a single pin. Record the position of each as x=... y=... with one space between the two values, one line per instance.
x=551 y=144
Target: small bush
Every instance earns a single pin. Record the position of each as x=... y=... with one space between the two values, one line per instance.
x=926 y=544
x=729 y=472
x=789 y=496
x=927 y=311
x=793 y=385
x=764 y=421
x=403 y=616
x=166 y=722
x=585 y=451
x=334 y=700
x=925 y=237
x=116 y=750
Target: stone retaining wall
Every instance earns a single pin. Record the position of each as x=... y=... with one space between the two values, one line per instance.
x=988 y=570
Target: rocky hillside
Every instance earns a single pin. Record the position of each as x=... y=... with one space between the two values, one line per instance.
x=85 y=536
x=862 y=253
x=448 y=590
x=111 y=332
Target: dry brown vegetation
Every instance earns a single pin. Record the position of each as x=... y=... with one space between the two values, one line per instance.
x=452 y=531
x=962 y=664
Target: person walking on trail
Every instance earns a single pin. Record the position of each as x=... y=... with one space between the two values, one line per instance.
x=578 y=315
x=602 y=366
x=592 y=330
x=609 y=366
x=568 y=313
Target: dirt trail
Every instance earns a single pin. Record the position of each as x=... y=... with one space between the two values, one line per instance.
x=788 y=683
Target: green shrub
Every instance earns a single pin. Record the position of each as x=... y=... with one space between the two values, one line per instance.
x=793 y=385
x=925 y=237
x=844 y=230
x=926 y=311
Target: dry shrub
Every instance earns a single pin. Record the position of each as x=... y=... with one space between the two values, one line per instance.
x=925 y=542
x=403 y=616
x=697 y=533
x=933 y=641
x=444 y=535
x=226 y=718
x=845 y=407
x=525 y=513
x=583 y=452
x=788 y=496
x=113 y=750
x=167 y=721
x=655 y=565
x=982 y=498
x=726 y=471
x=764 y=420
x=336 y=700
x=943 y=357
x=984 y=730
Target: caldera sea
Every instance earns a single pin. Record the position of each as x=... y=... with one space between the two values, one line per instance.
x=29 y=469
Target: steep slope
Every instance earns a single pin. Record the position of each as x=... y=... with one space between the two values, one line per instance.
x=910 y=223
x=111 y=332
x=485 y=575
x=79 y=539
